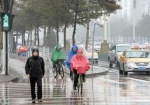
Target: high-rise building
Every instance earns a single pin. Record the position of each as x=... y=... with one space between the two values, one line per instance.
x=142 y=7
x=125 y=12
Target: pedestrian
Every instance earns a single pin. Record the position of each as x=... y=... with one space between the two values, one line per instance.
x=71 y=53
x=35 y=69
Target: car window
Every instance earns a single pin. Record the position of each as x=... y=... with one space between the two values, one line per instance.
x=123 y=48
x=114 y=48
x=90 y=51
x=138 y=54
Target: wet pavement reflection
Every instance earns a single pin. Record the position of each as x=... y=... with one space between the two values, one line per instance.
x=109 y=89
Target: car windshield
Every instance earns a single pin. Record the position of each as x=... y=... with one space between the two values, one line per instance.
x=138 y=54
x=123 y=48
x=90 y=51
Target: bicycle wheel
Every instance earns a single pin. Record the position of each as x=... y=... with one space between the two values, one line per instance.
x=62 y=72
x=55 y=72
x=80 y=85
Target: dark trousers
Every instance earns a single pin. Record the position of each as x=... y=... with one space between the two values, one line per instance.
x=33 y=81
x=76 y=76
x=70 y=73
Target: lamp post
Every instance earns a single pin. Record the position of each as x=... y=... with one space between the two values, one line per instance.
x=134 y=6
x=95 y=23
x=93 y=44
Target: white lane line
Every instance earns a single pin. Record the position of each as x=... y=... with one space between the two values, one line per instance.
x=137 y=79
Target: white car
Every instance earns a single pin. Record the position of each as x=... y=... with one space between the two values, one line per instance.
x=115 y=52
x=95 y=56
x=97 y=46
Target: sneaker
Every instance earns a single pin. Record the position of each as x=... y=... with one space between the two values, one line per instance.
x=40 y=100
x=33 y=101
x=84 y=80
x=74 y=88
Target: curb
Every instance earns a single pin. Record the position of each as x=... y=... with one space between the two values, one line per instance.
x=12 y=77
x=91 y=75
x=15 y=70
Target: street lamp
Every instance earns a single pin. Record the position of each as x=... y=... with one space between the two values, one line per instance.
x=97 y=22
x=134 y=6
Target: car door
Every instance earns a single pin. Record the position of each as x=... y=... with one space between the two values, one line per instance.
x=113 y=53
x=110 y=53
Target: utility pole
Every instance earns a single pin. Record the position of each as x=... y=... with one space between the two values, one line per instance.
x=134 y=6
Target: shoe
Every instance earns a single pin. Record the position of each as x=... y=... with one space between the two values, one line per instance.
x=40 y=100
x=74 y=88
x=33 y=101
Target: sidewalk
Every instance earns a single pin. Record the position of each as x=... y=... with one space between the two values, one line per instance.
x=12 y=76
x=97 y=70
x=19 y=66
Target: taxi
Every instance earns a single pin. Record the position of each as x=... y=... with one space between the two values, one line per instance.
x=134 y=60
x=95 y=56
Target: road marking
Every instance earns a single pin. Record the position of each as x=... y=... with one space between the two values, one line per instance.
x=138 y=79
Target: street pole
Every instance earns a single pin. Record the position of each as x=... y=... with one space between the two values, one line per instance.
x=105 y=27
x=6 y=61
x=6 y=8
x=93 y=45
x=109 y=28
x=4 y=57
x=134 y=6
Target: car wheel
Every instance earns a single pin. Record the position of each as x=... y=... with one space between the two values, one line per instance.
x=116 y=62
x=147 y=73
x=96 y=62
x=124 y=72
x=120 y=71
x=110 y=64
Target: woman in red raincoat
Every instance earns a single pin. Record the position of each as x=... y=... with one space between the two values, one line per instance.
x=79 y=65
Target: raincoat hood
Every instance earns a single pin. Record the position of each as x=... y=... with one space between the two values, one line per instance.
x=58 y=47
x=58 y=54
x=70 y=55
x=80 y=63
x=74 y=48
x=83 y=49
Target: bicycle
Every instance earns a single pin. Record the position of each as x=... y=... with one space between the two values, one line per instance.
x=79 y=84
x=58 y=70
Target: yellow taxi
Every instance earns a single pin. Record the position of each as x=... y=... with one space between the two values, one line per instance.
x=134 y=60
x=95 y=56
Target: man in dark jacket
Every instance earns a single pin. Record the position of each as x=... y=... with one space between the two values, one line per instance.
x=35 y=69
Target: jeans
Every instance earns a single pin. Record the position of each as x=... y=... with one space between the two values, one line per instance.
x=33 y=81
x=76 y=76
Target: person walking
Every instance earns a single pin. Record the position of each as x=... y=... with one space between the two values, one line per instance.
x=35 y=69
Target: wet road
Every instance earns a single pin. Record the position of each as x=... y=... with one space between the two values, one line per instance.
x=108 y=89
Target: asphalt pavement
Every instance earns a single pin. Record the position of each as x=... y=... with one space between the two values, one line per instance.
x=107 y=89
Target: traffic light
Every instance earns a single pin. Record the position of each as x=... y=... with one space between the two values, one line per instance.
x=5 y=21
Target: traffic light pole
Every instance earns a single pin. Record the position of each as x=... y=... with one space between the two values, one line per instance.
x=6 y=53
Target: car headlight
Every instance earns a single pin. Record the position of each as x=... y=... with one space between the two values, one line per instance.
x=129 y=63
